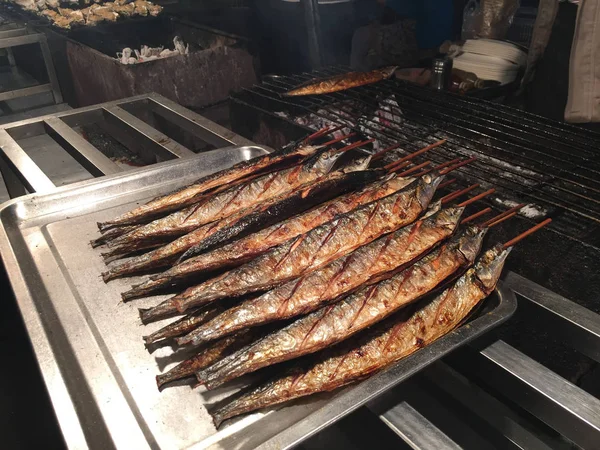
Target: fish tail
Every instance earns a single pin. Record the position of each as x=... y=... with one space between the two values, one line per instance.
x=108 y=276
x=144 y=313
x=144 y=289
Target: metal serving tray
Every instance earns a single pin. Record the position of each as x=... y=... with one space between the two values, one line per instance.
x=88 y=344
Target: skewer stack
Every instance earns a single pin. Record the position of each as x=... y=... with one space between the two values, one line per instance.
x=351 y=257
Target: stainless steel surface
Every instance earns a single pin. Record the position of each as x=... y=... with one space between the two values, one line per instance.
x=565 y=407
x=88 y=344
x=194 y=123
x=24 y=92
x=135 y=134
x=14 y=37
x=577 y=325
x=30 y=175
x=85 y=153
x=510 y=425
x=418 y=432
x=441 y=72
x=156 y=142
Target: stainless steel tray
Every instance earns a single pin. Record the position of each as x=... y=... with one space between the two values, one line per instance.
x=88 y=343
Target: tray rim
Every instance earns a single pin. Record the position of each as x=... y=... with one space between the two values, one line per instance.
x=64 y=408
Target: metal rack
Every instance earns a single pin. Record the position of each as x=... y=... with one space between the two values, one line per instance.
x=506 y=390
x=13 y=35
x=121 y=119
x=528 y=158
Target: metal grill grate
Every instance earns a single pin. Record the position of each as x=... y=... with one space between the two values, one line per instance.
x=552 y=166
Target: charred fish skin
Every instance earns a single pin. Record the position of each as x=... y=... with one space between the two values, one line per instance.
x=391 y=341
x=363 y=266
x=339 y=321
x=341 y=82
x=182 y=197
x=306 y=197
x=245 y=249
x=246 y=221
x=205 y=357
x=234 y=199
x=311 y=250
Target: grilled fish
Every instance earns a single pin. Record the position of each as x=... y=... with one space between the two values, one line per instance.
x=315 y=289
x=205 y=357
x=392 y=340
x=338 y=321
x=187 y=195
x=341 y=82
x=308 y=251
x=232 y=200
x=112 y=234
x=185 y=324
x=245 y=249
x=246 y=221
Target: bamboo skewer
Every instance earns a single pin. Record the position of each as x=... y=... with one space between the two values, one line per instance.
x=526 y=233
x=475 y=216
x=455 y=195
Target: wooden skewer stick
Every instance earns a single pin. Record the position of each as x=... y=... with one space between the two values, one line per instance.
x=455 y=195
x=460 y=164
x=319 y=133
x=529 y=232
x=341 y=138
x=399 y=166
x=447 y=164
x=411 y=155
x=446 y=183
x=380 y=153
x=475 y=216
x=355 y=145
x=502 y=219
x=414 y=169
x=441 y=166
x=502 y=215
x=477 y=197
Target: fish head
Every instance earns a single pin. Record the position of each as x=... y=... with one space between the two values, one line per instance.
x=489 y=267
x=470 y=242
x=387 y=72
x=307 y=150
x=432 y=209
x=448 y=217
x=428 y=184
x=322 y=162
x=356 y=163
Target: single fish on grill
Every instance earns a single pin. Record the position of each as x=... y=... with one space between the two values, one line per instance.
x=338 y=321
x=310 y=250
x=232 y=200
x=247 y=220
x=397 y=337
x=341 y=82
x=365 y=265
x=248 y=248
x=188 y=195
x=206 y=356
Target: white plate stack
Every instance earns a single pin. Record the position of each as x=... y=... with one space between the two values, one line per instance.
x=491 y=60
